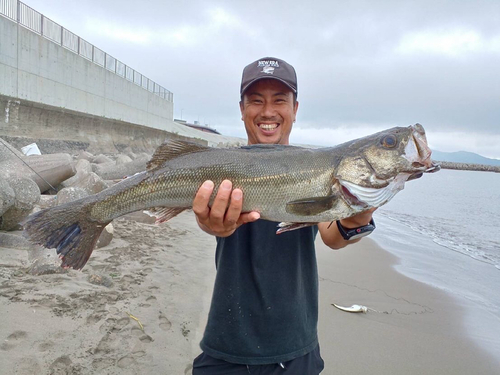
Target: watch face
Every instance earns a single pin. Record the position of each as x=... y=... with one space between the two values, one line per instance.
x=359 y=235
x=352 y=234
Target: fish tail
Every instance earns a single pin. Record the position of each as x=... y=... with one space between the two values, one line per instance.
x=68 y=229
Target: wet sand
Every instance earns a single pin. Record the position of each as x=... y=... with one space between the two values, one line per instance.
x=410 y=327
x=140 y=306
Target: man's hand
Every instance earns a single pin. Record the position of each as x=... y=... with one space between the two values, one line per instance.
x=330 y=233
x=225 y=216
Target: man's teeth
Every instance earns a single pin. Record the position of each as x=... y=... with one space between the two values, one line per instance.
x=268 y=126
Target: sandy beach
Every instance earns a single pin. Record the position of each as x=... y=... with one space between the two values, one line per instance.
x=140 y=304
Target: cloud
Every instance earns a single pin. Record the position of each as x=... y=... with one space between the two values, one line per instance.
x=452 y=43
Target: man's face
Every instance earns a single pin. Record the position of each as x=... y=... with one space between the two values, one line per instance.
x=269 y=111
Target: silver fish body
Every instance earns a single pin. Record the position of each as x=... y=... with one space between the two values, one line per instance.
x=283 y=183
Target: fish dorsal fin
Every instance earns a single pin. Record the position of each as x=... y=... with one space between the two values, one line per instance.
x=171 y=150
x=311 y=206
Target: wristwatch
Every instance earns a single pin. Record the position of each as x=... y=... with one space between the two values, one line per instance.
x=352 y=234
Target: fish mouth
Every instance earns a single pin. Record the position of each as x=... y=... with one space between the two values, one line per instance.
x=418 y=153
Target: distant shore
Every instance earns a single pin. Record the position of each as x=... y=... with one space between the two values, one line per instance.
x=469 y=166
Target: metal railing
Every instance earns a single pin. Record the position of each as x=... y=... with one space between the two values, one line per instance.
x=38 y=23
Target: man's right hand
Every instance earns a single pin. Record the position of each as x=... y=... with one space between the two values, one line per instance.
x=225 y=216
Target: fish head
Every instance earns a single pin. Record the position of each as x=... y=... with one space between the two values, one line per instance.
x=376 y=167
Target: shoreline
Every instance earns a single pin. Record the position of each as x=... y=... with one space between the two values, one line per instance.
x=413 y=328
x=163 y=277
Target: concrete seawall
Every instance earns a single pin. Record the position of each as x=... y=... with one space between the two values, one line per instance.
x=55 y=129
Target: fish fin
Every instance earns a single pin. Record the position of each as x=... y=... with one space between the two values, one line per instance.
x=310 y=206
x=65 y=228
x=269 y=147
x=172 y=149
x=287 y=227
x=163 y=214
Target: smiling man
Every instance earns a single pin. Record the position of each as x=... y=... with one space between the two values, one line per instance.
x=264 y=311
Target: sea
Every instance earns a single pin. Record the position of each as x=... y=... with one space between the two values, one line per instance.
x=445 y=229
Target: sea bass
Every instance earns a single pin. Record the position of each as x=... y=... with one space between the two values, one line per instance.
x=288 y=184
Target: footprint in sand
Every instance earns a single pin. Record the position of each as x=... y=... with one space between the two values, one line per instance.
x=126 y=362
x=63 y=366
x=165 y=324
x=13 y=340
x=45 y=345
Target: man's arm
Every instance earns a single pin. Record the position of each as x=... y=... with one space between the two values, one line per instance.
x=225 y=216
x=330 y=233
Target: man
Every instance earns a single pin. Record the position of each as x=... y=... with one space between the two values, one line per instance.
x=264 y=311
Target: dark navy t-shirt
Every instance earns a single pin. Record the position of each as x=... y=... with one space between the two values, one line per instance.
x=265 y=302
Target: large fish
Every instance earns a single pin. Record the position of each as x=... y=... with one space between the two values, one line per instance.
x=292 y=185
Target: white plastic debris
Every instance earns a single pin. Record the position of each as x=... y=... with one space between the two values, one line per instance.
x=31 y=149
x=353 y=308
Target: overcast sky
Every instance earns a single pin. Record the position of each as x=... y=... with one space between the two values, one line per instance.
x=362 y=66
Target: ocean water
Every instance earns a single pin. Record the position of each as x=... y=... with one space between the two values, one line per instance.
x=445 y=229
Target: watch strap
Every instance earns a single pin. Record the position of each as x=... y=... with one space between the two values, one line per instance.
x=348 y=233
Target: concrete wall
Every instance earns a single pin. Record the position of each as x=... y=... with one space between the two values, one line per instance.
x=34 y=68
x=49 y=93
x=24 y=122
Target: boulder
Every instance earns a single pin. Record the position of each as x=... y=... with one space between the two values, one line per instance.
x=84 y=155
x=102 y=159
x=70 y=194
x=7 y=196
x=123 y=159
x=112 y=171
x=106 y=236
x=88 y=181
x=27 y=194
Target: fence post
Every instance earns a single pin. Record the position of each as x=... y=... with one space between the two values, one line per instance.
x=62 y=35
x=18 y=11
x=78 y=48
x=41 y=24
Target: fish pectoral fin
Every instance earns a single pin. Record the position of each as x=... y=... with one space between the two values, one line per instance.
x=311 y=206
x=287 y=227
x=163 y=214
x=172 y=149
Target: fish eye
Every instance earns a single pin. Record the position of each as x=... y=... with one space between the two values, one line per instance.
x=389 y=141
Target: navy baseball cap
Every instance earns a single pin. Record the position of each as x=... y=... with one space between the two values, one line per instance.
x=269 y=68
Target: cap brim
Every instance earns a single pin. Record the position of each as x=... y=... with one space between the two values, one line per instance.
x=268 y=77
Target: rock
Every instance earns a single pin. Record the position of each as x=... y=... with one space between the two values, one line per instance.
x=70 y=194
x=15 y=240
x=88 y=181
x=122 y=159
x=42 y=261
x=84 y=155
x=100 y=280
x=102 y=159
x=111 y=172
x=41 y=267
x=27 y=194
x=46 y=201
x=45 y=170
x=7 y=196
x=8 y=152
x=106 y=236
x=83 y=165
